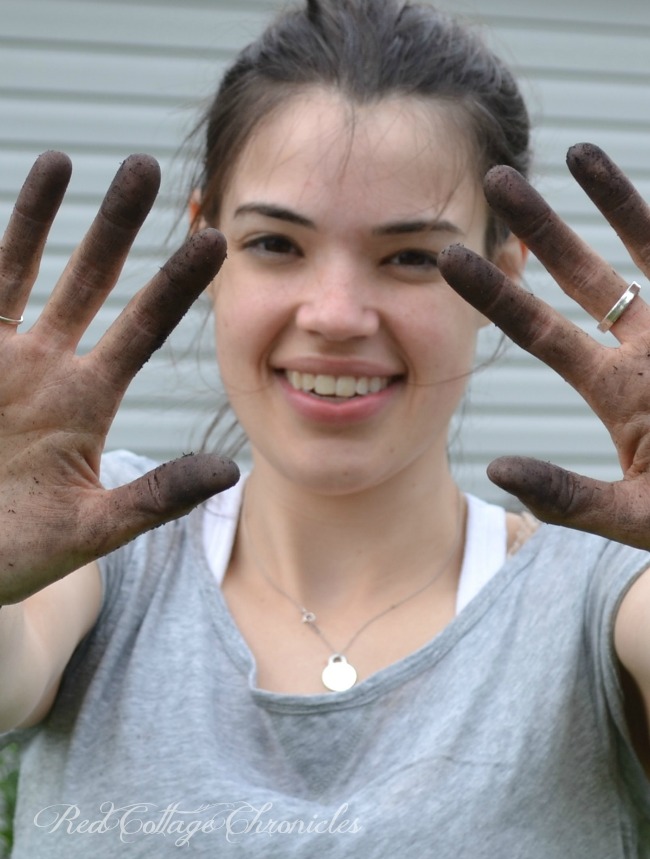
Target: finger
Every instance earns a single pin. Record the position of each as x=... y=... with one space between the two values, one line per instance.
x=616 y=198
x=560 y=497
x=29 y=225
x=115 y=517
x=151 y=316
x=581 y=272
x=166 y=493
x=526 y=319
x=96 y=264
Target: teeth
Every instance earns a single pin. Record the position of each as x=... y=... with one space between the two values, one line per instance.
x=325 y=385
x=337 y=386
x=346 y=386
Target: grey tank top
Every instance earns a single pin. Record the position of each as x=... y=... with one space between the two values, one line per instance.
x=503 y=737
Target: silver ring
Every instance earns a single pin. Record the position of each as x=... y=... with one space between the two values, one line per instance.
x=8 y=321
x=620 y=307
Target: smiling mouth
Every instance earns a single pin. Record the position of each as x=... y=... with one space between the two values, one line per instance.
x=344 y=387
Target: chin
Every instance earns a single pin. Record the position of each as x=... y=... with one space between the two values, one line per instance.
x=330 y=474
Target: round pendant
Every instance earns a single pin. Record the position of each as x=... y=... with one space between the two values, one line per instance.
x=338 y=675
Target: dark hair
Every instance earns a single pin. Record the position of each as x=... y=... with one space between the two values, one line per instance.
x=367 y=50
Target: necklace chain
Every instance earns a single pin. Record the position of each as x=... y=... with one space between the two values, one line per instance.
x=310 y=618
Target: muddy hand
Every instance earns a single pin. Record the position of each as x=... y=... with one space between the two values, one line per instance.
x=56 y=407
x=615 y=382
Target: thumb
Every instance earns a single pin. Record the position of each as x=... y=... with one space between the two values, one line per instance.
x=161 y=495
x=561 y=497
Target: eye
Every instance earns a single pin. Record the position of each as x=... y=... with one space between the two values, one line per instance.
x=272 y=246
x=414 y=259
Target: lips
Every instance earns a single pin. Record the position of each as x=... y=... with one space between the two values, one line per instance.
x=344 y=387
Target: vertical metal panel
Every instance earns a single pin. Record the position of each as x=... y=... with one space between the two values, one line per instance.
x=102 y=78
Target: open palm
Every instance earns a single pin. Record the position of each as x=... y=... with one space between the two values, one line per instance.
x=615 y=382
x=56 y=407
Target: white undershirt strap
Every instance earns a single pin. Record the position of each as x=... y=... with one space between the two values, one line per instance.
x=485 y=548
x=220 y=528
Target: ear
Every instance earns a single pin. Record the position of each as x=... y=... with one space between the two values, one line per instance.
x=511 y=258
x=197 y=222
x=196 y=219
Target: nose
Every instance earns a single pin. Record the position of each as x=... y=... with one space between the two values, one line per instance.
x=338 y=304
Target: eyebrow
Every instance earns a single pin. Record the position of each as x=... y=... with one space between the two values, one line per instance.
x=399 y=228
x=395 y=228
x=278 y=212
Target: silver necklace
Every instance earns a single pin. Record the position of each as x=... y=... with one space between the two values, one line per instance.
x=339 y=674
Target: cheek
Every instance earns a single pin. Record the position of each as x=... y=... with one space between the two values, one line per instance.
x=231 y=342
x=442 y=338
x=227 y=328
x=445 y=362
x=245 y=325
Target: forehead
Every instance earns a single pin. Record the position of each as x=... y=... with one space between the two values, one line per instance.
x=319 y=150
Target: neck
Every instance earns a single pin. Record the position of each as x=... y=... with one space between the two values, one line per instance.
x=334 y=553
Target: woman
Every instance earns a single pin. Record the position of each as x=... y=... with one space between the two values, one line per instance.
x=342 y=654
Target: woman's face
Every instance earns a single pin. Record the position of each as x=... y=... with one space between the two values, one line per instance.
x=343 y=351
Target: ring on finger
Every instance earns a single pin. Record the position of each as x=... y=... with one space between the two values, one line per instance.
x=7 y=320
x=620 y=307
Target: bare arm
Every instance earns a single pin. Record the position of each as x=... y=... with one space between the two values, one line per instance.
x=632 y=643
x=37 y=638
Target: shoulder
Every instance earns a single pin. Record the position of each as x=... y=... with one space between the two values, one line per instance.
x=576 y=550
x=178 y=543
x=520 y=527
x=584 y=568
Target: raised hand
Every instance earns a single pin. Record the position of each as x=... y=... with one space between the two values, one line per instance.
x=615 y=382
x=56 y=407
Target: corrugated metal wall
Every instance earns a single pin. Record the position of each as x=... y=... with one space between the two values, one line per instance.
x=102 y=78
